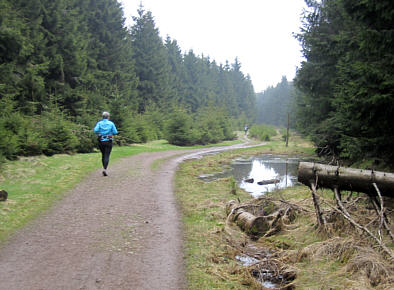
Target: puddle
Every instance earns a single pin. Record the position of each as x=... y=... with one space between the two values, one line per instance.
x=281 y=168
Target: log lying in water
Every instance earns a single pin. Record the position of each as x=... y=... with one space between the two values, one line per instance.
x=269 y=181
x=343 y=178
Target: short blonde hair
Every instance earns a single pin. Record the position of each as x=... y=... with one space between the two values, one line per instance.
x=105 y=115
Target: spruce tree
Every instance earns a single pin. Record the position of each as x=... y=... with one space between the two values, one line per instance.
x=151 y=61
x=177 y=71
x=346 y=82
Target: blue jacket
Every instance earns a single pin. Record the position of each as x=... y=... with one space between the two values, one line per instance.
x=106 y=129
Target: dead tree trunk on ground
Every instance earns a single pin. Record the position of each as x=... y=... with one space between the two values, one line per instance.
x=373 y=183
x=248 y=222
x=342 y=178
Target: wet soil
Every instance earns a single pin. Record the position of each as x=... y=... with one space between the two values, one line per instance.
x=123 y=231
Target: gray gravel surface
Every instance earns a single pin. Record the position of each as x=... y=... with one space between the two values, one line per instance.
x=123 y=231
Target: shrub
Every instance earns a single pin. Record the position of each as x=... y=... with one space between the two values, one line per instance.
x=86 y=138
x=262 y=132
x=213 y=126
x=9 y=143
x=31 y=137
x=138 y=129
x=60 y=139
x=59 y=134
x=179 y=129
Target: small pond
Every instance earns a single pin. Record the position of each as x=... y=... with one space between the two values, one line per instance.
x=281 y=168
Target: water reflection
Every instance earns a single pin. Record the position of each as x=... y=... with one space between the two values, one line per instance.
x=262 y=168
x=269 y=167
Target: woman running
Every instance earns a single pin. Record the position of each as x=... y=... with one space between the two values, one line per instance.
x=105 y=129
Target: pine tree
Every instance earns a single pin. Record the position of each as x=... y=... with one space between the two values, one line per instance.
x=244 y=92
x=111 y=81
x=151 y=61
x=177 y=71
x=346 y=83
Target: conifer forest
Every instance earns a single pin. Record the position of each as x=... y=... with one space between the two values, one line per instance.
x=64 y=62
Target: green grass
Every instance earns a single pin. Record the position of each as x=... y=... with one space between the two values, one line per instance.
x=208 y=266
x=210 y=259
x=210 y=255
x=35 y=183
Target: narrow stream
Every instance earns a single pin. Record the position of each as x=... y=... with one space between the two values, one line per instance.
x=280 y=169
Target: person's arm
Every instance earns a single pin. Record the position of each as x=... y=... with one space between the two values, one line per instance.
x=114 y=130
x=97 y=128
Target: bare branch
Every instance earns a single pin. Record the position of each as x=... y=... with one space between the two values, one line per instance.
x=347 y=216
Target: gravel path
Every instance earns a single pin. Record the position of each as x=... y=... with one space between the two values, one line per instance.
x=123 y=231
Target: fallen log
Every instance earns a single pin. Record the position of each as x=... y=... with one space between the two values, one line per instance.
x=269 y=181
x=257 y=224
x=248 y=222
x=343 y=178
x=252 y=224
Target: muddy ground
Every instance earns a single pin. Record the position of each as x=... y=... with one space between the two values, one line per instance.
x=123 y=231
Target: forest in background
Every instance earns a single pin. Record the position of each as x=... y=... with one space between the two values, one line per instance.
x=63 y=62
x=346 y=83
x=275 y=103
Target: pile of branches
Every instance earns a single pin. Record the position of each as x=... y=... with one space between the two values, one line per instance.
x=258 y=219
x=375 y=184
x=346 y=237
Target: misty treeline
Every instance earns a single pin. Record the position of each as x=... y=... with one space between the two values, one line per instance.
x=63 y=62
x=346 y=83
x=275 y=103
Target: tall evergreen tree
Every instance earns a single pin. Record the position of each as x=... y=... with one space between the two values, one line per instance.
x=346 y=82
x=24 y=63
x=244 y=92
x=177 y=71
x=193 y=79
x=111 y=81
x=151 y=61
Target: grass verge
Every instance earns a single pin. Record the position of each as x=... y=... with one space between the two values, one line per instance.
x=341 y=260
x=208 y=264
x=210 y=258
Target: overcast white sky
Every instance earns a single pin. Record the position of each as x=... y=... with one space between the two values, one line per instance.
x=258 y=32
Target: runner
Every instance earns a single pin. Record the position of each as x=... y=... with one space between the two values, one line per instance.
x=246 y=128
x=105 y=129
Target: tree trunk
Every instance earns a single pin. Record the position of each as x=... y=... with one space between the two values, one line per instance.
x=247 y=221
x=268 y=181
x=251 y=224
x=342 y=178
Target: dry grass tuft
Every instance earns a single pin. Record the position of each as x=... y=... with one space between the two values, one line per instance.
x=335 y=248
x=360 y=260
x=369 y=263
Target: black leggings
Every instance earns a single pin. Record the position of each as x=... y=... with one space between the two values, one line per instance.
x=105 y=148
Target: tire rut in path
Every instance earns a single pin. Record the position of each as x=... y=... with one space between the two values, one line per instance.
x=118 y=232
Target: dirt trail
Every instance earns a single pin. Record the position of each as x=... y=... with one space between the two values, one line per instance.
x=118 y=232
